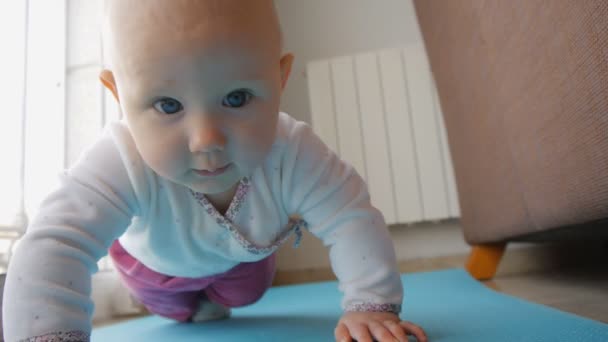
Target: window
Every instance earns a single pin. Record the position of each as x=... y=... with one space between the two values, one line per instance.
x=12 y=36
x=34 y=111
x=31 y=136
x=53 y=104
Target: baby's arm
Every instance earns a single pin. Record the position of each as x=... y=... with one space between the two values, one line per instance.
x=48 y=285
x=333 y=199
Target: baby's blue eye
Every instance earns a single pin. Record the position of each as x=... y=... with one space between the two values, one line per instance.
x=168 y=105
x=237 y=98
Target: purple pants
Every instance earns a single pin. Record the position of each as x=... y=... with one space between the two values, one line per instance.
x=177 y=298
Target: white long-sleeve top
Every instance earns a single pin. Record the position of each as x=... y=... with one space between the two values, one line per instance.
x=111 y=193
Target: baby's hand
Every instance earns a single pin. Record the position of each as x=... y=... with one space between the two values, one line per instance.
x=376 y=326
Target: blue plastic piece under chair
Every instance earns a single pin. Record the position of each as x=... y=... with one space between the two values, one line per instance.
x=449 y=304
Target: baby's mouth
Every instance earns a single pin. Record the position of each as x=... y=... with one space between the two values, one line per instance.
x=214 y=172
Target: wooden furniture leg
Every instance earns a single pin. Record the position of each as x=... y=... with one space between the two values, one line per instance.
x=484 y=259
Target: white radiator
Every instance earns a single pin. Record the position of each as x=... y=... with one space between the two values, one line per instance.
x=379 y=111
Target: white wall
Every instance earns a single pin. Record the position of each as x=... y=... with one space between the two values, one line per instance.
x=319 y=29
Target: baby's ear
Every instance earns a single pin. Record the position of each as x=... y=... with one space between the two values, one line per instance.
x=107 y=78
x=286 y=63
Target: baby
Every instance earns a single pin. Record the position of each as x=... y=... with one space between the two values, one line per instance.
x=193 y=192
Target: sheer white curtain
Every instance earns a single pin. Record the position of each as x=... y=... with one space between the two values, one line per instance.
x=12 y=36
x=33 y=93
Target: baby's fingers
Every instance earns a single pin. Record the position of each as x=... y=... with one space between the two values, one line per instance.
x=415 y=330
x=342 y=334
x=353 y=332
x=397 y=330
x=381 y=333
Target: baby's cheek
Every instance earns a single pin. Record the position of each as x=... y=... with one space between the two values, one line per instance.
x=162 y=155
x=262 y=138
x=156 y=158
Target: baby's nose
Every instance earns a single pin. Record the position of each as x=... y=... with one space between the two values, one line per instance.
x=207 y=137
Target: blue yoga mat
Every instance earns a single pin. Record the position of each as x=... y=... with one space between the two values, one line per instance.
x=449 y=304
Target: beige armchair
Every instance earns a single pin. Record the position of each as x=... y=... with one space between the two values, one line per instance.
x=523 y=86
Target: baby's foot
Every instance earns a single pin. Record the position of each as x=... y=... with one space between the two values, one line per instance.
x=210 y=311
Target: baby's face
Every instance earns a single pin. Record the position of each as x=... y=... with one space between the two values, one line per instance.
x=200 y=99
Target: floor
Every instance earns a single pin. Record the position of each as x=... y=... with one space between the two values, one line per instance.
x=571 y=278
x=580 y=291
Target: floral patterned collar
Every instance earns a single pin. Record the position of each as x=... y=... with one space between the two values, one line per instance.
x=227 y=221
x=239 y=197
